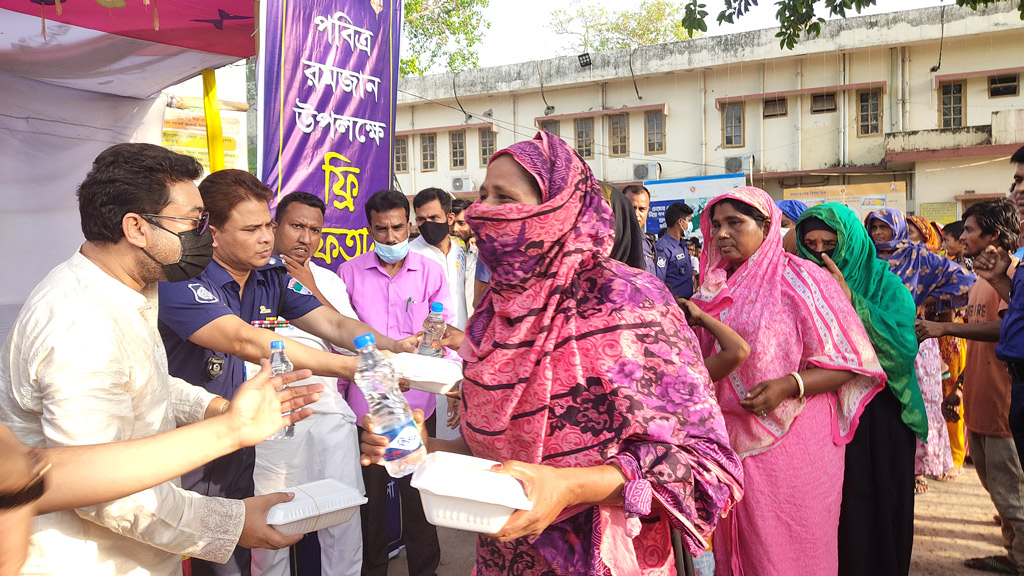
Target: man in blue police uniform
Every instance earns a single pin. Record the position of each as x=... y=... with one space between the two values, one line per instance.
x=674 y=266
x=992 y=266
x=640 y=198
x=206 y=325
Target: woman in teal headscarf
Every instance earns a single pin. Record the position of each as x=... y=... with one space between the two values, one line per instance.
x=876 y=523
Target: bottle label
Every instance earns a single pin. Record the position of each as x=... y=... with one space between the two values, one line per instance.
x=405 y=439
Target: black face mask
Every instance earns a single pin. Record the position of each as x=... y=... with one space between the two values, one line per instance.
x=434 y=232
x=828 y=253
x=196 y=253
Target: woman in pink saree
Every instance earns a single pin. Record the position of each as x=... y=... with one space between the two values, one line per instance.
x=791 y=408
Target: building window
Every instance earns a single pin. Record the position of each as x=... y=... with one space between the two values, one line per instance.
x=822 y=103
x=551 y=127
x=951 y=105
x=585 y=137
x=732 y=125
x=402 y=154
x=654 y=123
x=457 y=142
x=428 y=152
x=618 y=128
x=1008 y=85
x=486 y=145
x=869 y=114
x=775 y=108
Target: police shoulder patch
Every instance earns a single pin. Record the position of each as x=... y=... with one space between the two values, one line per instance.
x=296 y=286
x=202 y=293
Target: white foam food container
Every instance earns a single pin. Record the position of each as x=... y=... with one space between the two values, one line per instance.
x=317 y=505
x=428 y=373
x=461 y=492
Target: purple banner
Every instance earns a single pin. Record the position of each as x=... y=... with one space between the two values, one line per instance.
x=327 y=92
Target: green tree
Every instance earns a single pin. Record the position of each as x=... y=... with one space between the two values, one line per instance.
x=441 y=34
x=595 y=28
x=796 y=16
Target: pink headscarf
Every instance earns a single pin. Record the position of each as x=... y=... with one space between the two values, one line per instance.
x=793 y=315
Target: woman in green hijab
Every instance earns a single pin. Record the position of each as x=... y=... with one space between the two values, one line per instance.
x=876 y=523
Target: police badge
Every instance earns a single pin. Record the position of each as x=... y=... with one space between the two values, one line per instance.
x=214 y=367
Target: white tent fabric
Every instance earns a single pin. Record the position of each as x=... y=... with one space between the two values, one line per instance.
x=62 y=102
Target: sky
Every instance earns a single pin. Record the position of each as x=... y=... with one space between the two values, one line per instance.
x=519 y=31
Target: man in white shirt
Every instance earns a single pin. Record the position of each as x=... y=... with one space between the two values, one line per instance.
x=84 y=364
x=461 y=230
x=434 y=217
x=325 y=445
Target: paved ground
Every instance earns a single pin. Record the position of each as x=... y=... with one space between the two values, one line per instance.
x=954 y=521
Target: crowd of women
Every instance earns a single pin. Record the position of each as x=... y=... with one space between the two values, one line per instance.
x=778 y=418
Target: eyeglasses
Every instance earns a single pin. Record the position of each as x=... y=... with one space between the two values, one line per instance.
x=202 y=223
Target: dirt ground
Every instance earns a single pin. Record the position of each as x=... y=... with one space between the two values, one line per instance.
x=953 y=522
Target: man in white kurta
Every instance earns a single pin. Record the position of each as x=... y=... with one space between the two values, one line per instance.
x=434 y=218
x=84 y=364
x=325 y=444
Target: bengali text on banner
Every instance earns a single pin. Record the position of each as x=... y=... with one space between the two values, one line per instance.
x=327 y=90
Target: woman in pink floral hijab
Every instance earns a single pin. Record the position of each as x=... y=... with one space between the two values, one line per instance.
x=584 y=379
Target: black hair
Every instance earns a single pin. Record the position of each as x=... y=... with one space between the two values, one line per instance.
x=741 y=207
x=953 y=229
x=693 y=240
x=636 y=189
x=675 y=212
x=302 y=198
x=428 y=195
x=1018 y=156
x=385 y=201
x=129 y=178
x=225 y=189
x=459 y=205
x=997 y=216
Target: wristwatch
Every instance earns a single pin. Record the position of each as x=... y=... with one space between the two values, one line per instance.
x=35 y=487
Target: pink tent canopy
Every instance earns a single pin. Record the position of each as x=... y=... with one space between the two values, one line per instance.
x=216 y=26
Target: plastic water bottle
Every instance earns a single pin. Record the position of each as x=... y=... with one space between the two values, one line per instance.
x=389 y=411
x=279 y=364
x=433 y=331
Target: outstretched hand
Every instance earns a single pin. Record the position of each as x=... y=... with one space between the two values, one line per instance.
x=372 y=446
x=452 y=338
x=257 y=408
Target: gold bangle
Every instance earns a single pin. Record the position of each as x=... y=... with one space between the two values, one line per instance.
x=224 y=406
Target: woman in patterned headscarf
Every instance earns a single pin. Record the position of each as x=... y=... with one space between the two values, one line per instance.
x=919 y=229
x=938 y=285
x=794 y=404
x=584 y=380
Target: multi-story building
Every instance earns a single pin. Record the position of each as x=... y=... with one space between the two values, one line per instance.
x=927 y=97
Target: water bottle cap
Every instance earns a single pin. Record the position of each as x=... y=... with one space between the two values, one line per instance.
x=365 y=340
x=277 y=345
x=437 y=307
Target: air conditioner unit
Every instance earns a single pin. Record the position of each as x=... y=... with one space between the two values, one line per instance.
x=645 y=172
x=737 y=165
x=462 y=184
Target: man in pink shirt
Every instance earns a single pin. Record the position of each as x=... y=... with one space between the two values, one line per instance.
x=391 y=289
